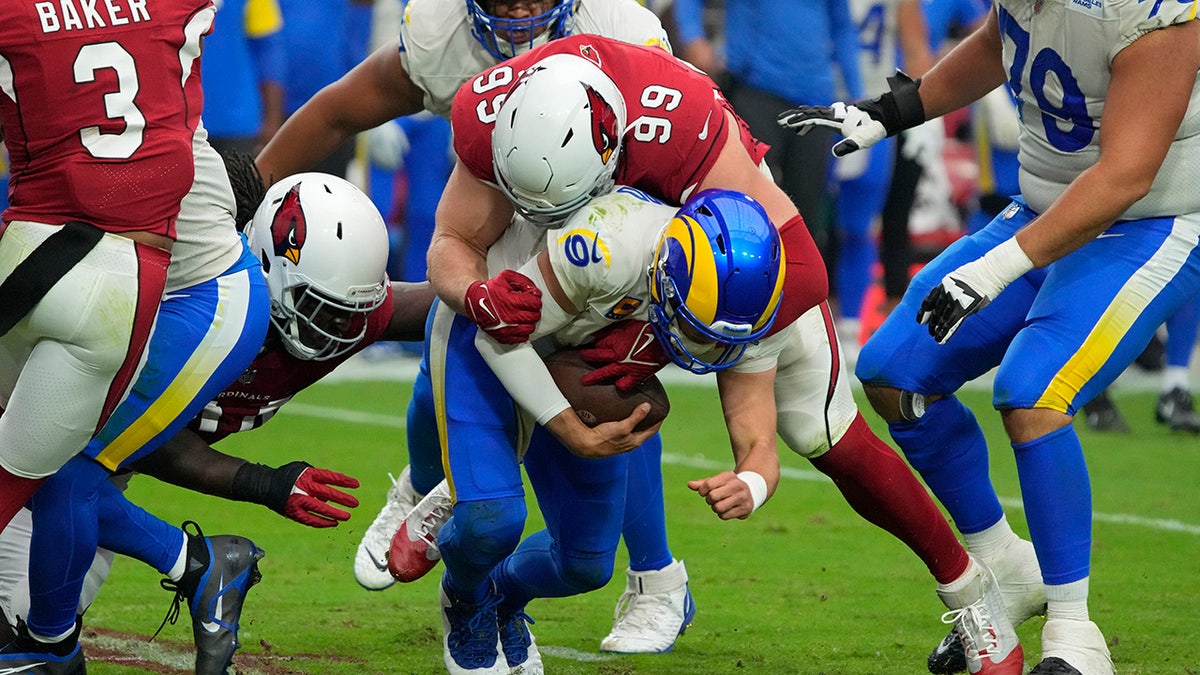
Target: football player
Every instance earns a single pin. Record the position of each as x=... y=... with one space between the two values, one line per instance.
x=442 y=44
x=594 y=276
x=1062 y=290
x=544 y=153
x=321 y=239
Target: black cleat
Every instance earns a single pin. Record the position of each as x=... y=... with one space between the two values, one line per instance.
x=949 y=656
x=1101 y=414
x=1176 y=411
x=1054 y=666
x=28 y=656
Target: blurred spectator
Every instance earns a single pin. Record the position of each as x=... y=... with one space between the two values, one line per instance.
x=244 y=65
x=779 y=55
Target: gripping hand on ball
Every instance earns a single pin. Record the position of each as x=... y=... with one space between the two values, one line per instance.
x=506 y=307
x=863 y=123
x=970 y=288
x=627 y=352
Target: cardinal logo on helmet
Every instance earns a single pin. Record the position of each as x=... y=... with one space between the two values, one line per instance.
x=288 y=227
x=605 y=134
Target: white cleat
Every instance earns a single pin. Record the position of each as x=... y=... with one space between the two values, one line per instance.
x=655 y=609
x=414 y=550
x=977 y=612
x=1073 y=648
x=370 y=561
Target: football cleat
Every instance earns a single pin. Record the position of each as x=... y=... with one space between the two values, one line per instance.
x=517 y=643
x=655 y=609
x=413 y=550
x=28 y=656
x=370 y=561
x=1073 y=648
x=977 y=611
x=1020 y=581
x=221 y=570
x=471 y=639
x=1101 y=414
x=1176 y=411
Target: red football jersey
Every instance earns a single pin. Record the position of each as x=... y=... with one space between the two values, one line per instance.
x=272 y=379
x=99 y=103
x=675 y=114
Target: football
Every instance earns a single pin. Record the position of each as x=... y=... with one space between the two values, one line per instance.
x=599 y=403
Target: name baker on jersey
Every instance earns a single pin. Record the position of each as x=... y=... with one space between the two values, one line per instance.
x=87 y=14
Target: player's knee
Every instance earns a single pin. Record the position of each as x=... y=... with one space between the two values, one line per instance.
x=489 y=529
x=588 y=573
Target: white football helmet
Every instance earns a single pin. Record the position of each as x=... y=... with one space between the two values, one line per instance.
x=557 y=138
x=324 y=250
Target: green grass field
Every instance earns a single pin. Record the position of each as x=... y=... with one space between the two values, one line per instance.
x=804 y=586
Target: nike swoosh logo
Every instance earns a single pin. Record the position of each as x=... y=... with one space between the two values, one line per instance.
x=1106 y=235
x=21 y=669
x=381 y=566
x=644 y=341
x=704 y=131
x=210 y=626
x=484 y=308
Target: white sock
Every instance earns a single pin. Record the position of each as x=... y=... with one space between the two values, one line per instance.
x=54 y=639
x=988 y=543
x=1068 y=601
x=1175 y=377
x=960 y=583
x=180 y=566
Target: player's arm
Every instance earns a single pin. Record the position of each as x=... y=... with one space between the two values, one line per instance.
x=375 y=91
x=1148 y=94
x=471 y=216
x=748 y=403
x=736 y=170
x=525 y=376
x=967 y=73
x=296 y=490
x=410 y=307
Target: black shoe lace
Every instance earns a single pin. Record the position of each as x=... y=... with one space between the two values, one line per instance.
x=177 y=587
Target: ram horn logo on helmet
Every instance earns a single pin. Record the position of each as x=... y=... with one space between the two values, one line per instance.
x=604 y=125
x=589 y=52
x=288 y=228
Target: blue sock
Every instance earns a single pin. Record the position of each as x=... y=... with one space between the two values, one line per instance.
x=947 y=447
x=63 y=545
x=645 y=524
x=130 y=530
x=1058 y=503
x=424 y=449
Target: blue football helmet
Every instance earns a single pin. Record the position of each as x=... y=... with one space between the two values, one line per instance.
x=504 y=38
x=716 y=280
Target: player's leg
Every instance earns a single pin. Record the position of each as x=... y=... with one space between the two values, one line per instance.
x=1175 y=406
x=477 y=426
x=910 y=381
x=76 y=351
x=1074 y=345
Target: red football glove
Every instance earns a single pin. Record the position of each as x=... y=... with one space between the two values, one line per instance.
x=507 y=306
x=308 y=502
x=628 y=353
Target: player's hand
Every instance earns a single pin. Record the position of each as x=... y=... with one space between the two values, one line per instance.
x=863 y=123
x=507 y=306
x=970 y=288
x=627 y=352
x=604 y=439
x=727 y=495
x=312 y=495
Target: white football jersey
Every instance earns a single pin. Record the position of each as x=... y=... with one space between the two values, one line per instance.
x=877 y=41
x=439 y=54
x=601 y=257
x=1059 y=54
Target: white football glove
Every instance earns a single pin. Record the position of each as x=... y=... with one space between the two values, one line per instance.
x=863 y=123
x=970 y=288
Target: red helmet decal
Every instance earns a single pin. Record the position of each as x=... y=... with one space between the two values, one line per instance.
x=288 y=228
x=589 y=52
x=604 y=125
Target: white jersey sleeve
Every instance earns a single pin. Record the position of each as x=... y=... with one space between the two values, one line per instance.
x=1059 y=54
x=439 y=54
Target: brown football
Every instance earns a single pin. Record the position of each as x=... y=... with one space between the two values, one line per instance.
x=599 y=403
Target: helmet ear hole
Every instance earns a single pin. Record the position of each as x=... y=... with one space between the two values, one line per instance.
x=717 y=279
